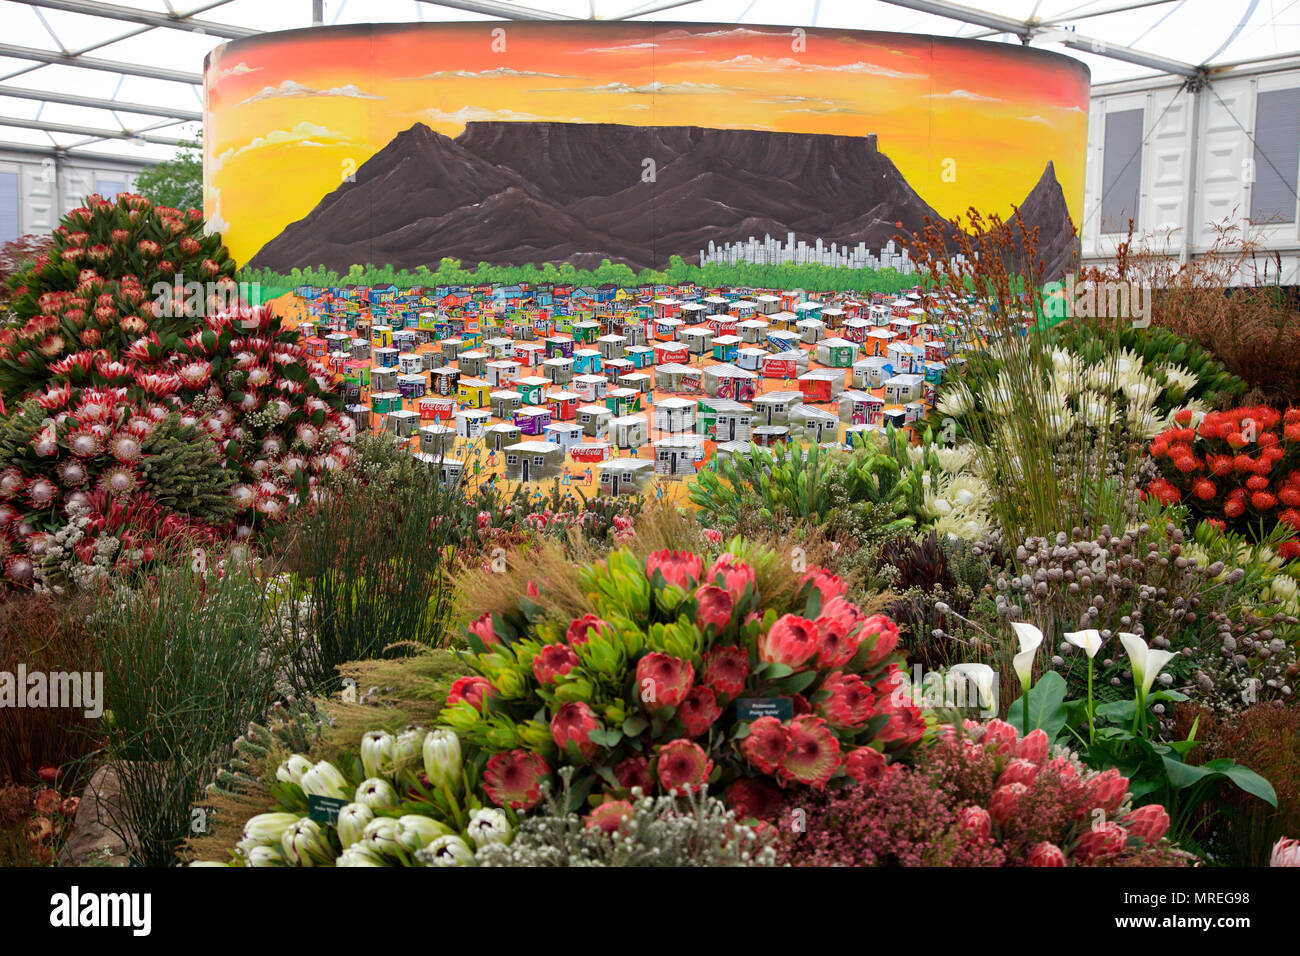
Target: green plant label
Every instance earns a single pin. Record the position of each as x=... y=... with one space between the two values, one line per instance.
x=752 y=708
x=325 y=809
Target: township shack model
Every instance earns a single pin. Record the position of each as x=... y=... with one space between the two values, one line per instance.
x=672 y=377
x=586 y=361
x=821 y=385
x=698 y=339
x=612 y=346
x=871 y=372
x=674 y=415
x=473 y=363
x=861 y=408
x=779 y=341
x=878 y=341
x=402 y=422
x=591 y=452
x=564 y=434
x=624 y=476
x=902 y=389
x=445 y=380
x=474 y=393
x=641 y=356
x=810 y=331
x=529 y=354
x=470 y=423
x=563 y=406
x=679 y=454
x=534 y=461
x=532 y=420
x=436 y=439
x=732 y=449
x=436 y=408
x=623 y=401
x=765 y=436
x=532 y=389
x=836 y=353
x=594 y=420
x=505 y=403
x=751 y=359
x=590 y=388
x=729 y=381
x=628 y=431
x=502 y=373
x=774 y=407
x=723 y=419
x=808 y=423
x=752 y=331
x=786 y=365
x=669 y=353
x=497 y=437
x=666 y=329
x=726 y=348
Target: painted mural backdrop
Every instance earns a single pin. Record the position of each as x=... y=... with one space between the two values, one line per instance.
x=516 y=143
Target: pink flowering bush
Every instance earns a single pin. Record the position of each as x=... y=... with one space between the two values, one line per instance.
x=981 y=795
x=682 y=673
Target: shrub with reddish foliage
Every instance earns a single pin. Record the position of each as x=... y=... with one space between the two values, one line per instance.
x=979 y=796
x=1240 y=467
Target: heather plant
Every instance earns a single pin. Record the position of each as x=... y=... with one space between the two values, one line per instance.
x=692 y=830
x=669 y=671
x=980 y=795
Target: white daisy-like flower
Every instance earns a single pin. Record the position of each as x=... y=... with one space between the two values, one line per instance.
x=1179 y=381
x=955 y=459
x=954 y=401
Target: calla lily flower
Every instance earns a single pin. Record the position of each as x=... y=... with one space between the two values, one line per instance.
x=1147 y=664
x=983 y=678
x=1031 y=638
x=1089 y=640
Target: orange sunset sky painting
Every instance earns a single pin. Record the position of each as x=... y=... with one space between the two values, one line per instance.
x=288 y=115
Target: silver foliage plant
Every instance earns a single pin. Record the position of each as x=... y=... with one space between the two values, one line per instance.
x=694 y=830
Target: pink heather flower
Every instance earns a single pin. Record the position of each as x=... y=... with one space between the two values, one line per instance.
x=475 y=689
x=1107 y=790
x=680 y=568
x=663 y=681
x=1148 y=823
x=1100 y=842
x=610 y=816
x=813 y=753
x=683 y=766
x=1005 y=803
x=765 y=745
x=976 y=822
x=850 y=701
x=634 y=772
x=573 y=723
x=753 y=798
x=699 y=711
x=715 y=607
x=482 y=629
x=885 y=633
x=866 y=765
x=1034 y=747
x=1286 y=852
x=552 y=661
x=736 y=575
x=791 y=640
x=725 y=669
x=514 y=779
x=1018 y=771
x=825 y=583
x=1045 y=854
x=580 y=628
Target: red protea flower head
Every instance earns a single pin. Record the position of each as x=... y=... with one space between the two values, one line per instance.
x=699 y=711
x=682 y=765
x=714 y=606
x=1034 y=747
x=766 y=743
x=680 y=568
x=840 y=633
x=72 y=473
x=118 y=480
x=881 y=635
x=1045 y=854
x=158 y=384
x=1203 y=489
x=826 y=584
x=813 y=753
x=1018 y=771
x=1100 y=842
x=753 y=798
x=42 y=492
x=850 y=701
x=791 y=640
x=725 y=669
x=1000 y=737
x=1263 y=501
x=78 y=364
x=145 y=349
x=610 y=816
x=55 y=398
x=19 y=569
x=580 y=628
x=737 y=576
x=663 y=681
x=1005 y=803
x=45 y=442
x=84 y=443
x=1107 y=790
x=482 y=629
x=553 y=661
x=1148 y=823
x=866 y=765
x=573 y=723
x=12 y=483
x=125 y=447
x=514 y=779
x=634 y=772
x=195 y=375
x=474 y=689
x=976 y=823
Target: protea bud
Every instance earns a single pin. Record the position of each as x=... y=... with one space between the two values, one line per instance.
x=324 y=780
x=448 y=851
x=442 y=757
x=291 y=770
x=379 y=838
x=377 y=753
x=415 y=832
x=265 y=856
x=305 y=844
x=266 y=829
x=377 y=794
x=489 y=826
x=352 y=823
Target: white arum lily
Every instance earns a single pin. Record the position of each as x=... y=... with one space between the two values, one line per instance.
x=1030 y=640
x=1146 y=663
x=1089 y=641
x=978 y=677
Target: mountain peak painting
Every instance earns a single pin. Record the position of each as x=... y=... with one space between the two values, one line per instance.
x=573 y=143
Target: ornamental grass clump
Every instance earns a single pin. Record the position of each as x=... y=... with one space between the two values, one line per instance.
x=981 y=795
x=672 y=671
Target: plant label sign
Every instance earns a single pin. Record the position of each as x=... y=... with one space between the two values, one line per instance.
x=325 y=809
x=752 y=708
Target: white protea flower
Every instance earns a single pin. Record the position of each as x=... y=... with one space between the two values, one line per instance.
x=377 y=753
x=358 y=855
x=1128 y=367
x=955 y=459
x=937 y=506
x=1144 y=423
x=954 y=401
x=376 y=793
x=963 y=526
x=1179 y=381
x=305 y=844
x=264 y=856
x=448 y=851
x=352 y=822
x=489 y=826
x=243 y=496
x=415 y=832
x=966 y=492
x=380 y=837
x=1095 y=411
x=1142 y=394
x=265 y=829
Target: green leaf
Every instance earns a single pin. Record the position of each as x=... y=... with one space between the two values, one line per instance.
x=1046 y=703
x=797 y=682
x=1248 y=780
x=635 y=725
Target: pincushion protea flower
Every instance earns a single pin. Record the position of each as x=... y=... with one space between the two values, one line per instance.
x=765 y=744
x=12 y=483
x=813 y=752
x=514 y=779
x=663 y=681
x=553 y=661
x=680 y=568
x=682 y=765
x=610 y=816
